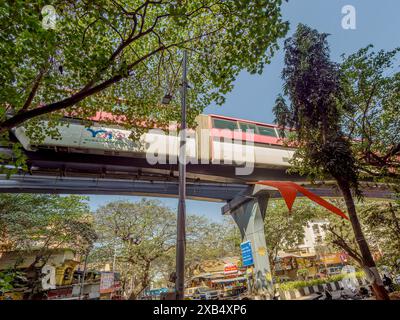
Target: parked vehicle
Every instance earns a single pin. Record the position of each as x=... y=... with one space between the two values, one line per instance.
x=189 y=292
x=205 y=293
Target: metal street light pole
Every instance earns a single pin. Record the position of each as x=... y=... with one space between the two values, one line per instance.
x=114 y=258
x=83 y=276
x=181 y=221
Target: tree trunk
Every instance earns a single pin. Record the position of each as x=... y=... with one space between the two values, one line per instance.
x=368 y=261
x=144 y=283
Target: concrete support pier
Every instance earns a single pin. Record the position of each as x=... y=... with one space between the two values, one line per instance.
x=248 y=211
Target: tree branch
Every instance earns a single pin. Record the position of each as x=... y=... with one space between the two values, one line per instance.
x=33 y=91
x=339 y=241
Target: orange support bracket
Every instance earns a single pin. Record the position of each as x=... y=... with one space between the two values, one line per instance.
x=289 y=190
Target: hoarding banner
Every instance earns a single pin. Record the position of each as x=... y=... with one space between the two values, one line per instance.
x=107 y=282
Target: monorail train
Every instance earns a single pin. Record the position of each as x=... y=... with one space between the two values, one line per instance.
x=216 y=139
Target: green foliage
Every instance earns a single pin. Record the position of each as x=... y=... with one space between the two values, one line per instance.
x=284 y=229
x=8 y=279
x=292 y=285
x=345 y=115
x=205 y=240
x=137 y=234
x=302 y=273
x=370 y=82
x=16 y=157
x=380 y=221
x=319 y=102
x=210 y=241
x=42 y=222
x=312 y=85
x=142 y=238
x=123 y=57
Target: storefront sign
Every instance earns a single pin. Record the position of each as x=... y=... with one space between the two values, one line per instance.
x=230 y=268
x=59 y=293
x=334 y=258
x=107 y=282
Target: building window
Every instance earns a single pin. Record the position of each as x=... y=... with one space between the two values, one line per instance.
x=316 y=229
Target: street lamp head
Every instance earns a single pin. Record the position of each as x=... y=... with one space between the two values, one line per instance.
x=166 y=99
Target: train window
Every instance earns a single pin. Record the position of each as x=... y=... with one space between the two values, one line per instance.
x=266 y=131
x=285 y=133
x=248 y=126
x=224 y=124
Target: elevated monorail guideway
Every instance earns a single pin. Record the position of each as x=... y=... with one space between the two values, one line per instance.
x=196 y=190
x=82 y=185
x=104 y=153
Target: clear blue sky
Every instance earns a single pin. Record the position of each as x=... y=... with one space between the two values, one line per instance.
x=377 y=23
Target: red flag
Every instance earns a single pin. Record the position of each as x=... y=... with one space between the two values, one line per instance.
x=289 y=190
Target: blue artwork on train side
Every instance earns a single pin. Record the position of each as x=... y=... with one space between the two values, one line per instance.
x=104 y=134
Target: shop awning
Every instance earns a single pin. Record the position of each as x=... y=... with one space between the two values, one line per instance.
x=288 y=255
x=228 y=280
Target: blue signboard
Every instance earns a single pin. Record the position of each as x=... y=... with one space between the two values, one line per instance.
x=156 y=292
x=247 y=254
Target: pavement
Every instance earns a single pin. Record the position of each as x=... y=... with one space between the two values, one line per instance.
x=335 y=295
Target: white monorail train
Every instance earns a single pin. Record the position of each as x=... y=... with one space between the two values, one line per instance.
x=217 y=139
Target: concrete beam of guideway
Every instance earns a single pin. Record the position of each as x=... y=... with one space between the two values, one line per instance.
x=78 y=185
x=201 y=190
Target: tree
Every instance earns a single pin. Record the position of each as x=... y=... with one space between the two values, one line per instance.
x=284 y=229
x=205 y=240
x=208 y=240
x=44 y=222
x=370 y=83
x=383 y=221
x=140 y=234
x=313 y=86
x=123 y=57
x=381 y=225
x=140 y=238
x=41 y=223
x=9 y=280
